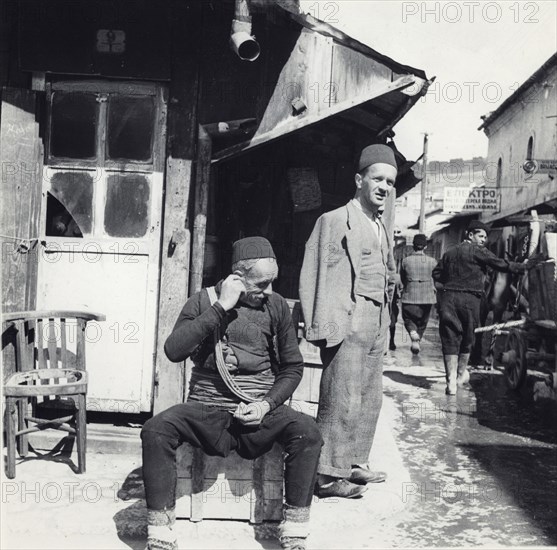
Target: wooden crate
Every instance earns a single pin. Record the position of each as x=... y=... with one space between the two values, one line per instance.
x=229 y=488
x=542 y=292
x=308 y=389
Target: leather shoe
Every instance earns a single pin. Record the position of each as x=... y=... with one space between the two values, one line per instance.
x=340 y=488
x=361 y=476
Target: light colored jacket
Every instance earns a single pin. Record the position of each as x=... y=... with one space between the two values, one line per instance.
x=415 y=274
x=331 y=267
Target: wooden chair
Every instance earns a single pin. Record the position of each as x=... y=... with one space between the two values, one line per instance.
x=47 y=372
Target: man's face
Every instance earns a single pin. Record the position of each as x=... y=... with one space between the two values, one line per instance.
x=478 y=236
x=259 y=282
x=376 y=184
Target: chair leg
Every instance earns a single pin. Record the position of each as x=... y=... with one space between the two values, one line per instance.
x=10 y=421
x=81 y=432
x=22 y=440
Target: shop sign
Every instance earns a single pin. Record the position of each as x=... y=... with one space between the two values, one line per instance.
x=471 y=199
x=539 y=166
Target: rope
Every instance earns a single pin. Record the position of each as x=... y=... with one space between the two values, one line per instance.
x=219 y=359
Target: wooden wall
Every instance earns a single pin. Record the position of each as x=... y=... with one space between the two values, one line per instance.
x=20 y=188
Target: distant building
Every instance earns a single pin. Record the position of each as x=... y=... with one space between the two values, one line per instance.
x=522 y=134
x=440 y=175
x=520 y=164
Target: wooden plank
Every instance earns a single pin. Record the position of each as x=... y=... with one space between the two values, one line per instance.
x=202 y=181
x=181 y=143
x=354 y=73
x=80 y=345
x=52 y=344
x=170 y=385
x=20 y=187
x=40 y=344
x=306 y=75
x=20 y=183
x=63 y=345
x=297 y=123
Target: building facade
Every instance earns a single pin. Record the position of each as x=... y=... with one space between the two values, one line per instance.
x=522 y=148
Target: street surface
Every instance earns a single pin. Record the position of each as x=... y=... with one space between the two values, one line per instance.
x=475 y=470
x=483 y=464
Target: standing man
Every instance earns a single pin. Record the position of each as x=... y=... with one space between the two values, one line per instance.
x=346 y=285
x=419 y=293
x=247 y=364
x=461 y=273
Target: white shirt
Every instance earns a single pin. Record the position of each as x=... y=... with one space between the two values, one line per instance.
x=375 y=223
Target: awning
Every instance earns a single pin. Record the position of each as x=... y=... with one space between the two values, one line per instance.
x=355 y=83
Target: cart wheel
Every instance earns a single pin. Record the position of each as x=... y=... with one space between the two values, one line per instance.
x=516 y=363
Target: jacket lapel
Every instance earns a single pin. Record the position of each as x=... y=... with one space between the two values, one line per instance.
x=353 y=237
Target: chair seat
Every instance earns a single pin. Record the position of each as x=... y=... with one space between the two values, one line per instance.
x=42 y=382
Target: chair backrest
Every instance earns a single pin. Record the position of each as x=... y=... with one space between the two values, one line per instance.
x=42 y=337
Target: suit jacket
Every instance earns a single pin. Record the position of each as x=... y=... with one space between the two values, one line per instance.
x=331 y=267
x=415 y=274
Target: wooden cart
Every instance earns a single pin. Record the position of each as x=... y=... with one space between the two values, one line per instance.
x=531 y=340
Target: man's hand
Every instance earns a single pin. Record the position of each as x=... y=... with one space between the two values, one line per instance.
x=230 y=292
x=535 y=260
x=251 y=414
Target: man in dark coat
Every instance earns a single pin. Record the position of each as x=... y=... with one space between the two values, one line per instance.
x=259 y=351
x=346 y=287
x=461 y=274
x=419 y=292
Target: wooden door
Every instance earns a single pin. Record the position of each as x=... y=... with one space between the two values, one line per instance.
x=101 y=225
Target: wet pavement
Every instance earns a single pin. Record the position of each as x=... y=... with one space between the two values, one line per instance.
x=483 y=463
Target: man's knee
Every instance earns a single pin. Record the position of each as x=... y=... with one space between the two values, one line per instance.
x=153 y=425
x=307 y=430
x=162 y=424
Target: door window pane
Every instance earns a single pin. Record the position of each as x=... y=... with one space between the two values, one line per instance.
x=73 y=125
x=69 y=208
x=127 y=205
x=130 y=128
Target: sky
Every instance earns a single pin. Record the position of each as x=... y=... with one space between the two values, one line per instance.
x=479 y=52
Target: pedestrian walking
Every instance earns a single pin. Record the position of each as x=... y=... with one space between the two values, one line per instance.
x=346 y=285
x=246 y=365
x=419 y=291
x=461 y=273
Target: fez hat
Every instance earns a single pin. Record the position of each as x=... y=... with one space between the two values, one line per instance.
x=419 y=240
x=252 y=248
x=477 y=224
x=373 y=154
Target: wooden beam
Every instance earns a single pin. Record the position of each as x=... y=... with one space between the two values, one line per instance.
x=203 y=173
x=361 y=117
x=187 y=27
x=408 y=104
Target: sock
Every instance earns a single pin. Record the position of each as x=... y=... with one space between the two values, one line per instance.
x=160 y=530
x=295 y=524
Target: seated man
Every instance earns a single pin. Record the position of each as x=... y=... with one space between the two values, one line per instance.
x=258 y=350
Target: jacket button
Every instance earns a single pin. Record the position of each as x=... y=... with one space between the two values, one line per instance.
x=349 y=313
